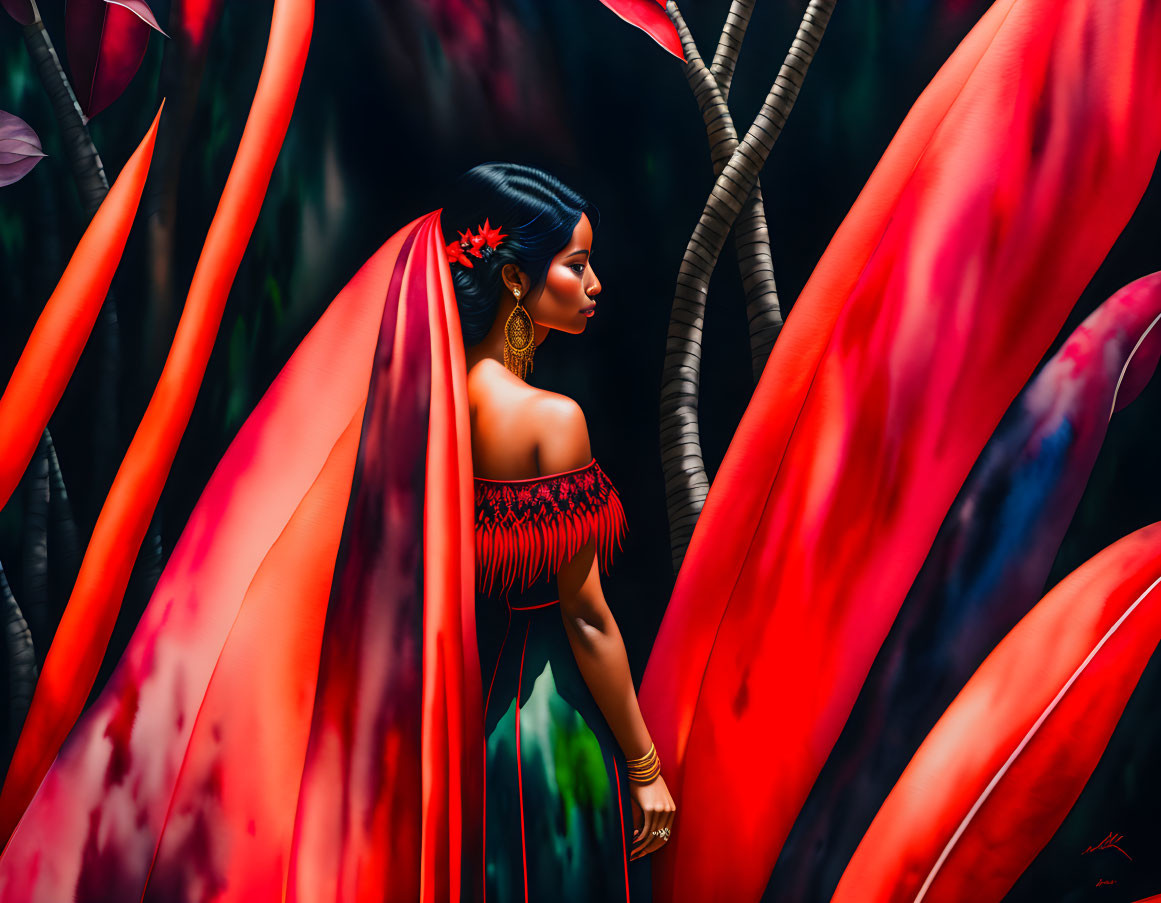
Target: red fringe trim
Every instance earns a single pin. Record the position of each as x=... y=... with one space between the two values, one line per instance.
x=526 y=526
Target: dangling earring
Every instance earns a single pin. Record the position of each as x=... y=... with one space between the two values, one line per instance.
x=519 y=339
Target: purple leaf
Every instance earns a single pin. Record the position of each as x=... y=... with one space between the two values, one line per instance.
x=19 y=148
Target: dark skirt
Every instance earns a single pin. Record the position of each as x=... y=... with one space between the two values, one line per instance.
x=558 y=824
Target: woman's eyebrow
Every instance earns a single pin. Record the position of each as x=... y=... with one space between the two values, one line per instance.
x=584 y=251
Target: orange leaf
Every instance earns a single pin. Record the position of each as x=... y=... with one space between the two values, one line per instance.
x=59 y=337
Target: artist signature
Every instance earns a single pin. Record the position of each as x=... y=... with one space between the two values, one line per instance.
x=1101 y=881
x=1109 y=843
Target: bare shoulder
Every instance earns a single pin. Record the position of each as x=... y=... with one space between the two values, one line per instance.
x=563 y=433
x=519 y=430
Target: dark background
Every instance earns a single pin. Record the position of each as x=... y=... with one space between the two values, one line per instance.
x=399 y=96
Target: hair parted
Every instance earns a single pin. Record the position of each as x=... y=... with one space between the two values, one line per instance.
x=536 y=213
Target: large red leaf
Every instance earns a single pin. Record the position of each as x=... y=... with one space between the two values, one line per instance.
x=106 y=43
x=991 y=209
x=79 y=644
x=650 y=18
x=1000 y=770
x=986 y=569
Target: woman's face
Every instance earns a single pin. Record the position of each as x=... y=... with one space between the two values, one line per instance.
x=571 y=286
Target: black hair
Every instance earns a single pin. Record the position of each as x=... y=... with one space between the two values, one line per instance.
x=537 y=214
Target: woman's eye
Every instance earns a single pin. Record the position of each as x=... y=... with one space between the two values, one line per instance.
x=578 y=268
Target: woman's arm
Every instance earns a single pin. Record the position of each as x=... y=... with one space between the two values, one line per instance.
x=593 y=634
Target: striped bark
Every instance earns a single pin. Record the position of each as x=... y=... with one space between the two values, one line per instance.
x=22 y=669
x=751 y=235
x=64 y=546
x=34 y=543
x=92 y=185
x=686 y=482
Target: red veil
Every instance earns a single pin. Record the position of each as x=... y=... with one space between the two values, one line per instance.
x=298 y=710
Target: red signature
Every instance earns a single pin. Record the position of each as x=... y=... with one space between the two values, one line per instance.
x=1101 y=881
x=1109 y=843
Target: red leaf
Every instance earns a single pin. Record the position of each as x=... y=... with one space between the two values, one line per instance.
x=20 y=10
x=966 y=818
x=650 y=18
x=932 y=306
x=106 y=43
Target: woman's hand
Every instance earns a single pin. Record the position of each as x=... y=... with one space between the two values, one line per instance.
x=653 y=809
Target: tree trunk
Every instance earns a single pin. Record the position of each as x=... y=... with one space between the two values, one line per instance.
x=64 y=546
x=34 y=536
x=92 y=184
x=686 y=483
x=22 y=672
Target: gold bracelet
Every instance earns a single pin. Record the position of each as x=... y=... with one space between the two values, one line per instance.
x=646 y=768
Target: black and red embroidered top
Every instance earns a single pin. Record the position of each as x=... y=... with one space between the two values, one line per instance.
x=527 y=529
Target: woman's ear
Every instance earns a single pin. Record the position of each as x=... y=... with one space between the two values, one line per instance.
x=513 y=278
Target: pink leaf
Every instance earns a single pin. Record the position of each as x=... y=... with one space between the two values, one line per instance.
x=141 y=10
x=650 y=18
x=106 y=43
x=19 y=148
x=966 y=818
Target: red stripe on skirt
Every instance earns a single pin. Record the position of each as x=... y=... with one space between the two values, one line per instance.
x=488 y=699
x=519 y=776
x=621 y=812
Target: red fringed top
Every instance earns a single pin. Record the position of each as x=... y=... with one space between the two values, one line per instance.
x=524 y=527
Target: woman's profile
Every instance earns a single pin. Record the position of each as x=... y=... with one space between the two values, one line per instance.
x=568 y=752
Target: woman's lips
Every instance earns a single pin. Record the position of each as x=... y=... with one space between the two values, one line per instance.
x=589 y=311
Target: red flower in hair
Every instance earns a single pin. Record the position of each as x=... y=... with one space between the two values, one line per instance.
x=473 y=243
x=492 y=237
x=455 y=254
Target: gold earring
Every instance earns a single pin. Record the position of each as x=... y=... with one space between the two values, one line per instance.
x=519 y=339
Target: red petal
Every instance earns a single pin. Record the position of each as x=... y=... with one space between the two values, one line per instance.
x=650 y=18
x=932 y=306
x=966 y=818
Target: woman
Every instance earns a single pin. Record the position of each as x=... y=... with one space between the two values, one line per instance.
x=299 y=714
x=565 y=811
